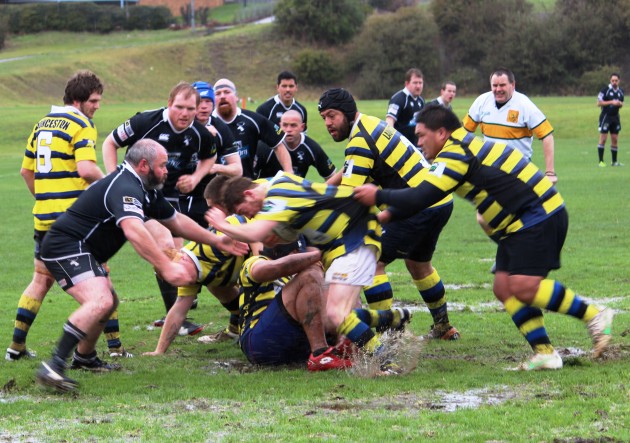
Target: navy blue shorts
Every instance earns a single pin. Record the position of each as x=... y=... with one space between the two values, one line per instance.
x=416 y=237
x=38 y=236
x=277 y=338
x=193 y=207
x=536 y=250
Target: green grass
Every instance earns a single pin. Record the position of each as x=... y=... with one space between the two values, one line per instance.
x=209 y=393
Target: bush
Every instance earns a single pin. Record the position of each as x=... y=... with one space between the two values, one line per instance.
x=388 y=46
x=331 y=22
x=82 y=17
x=592 y=81
x=316 y=67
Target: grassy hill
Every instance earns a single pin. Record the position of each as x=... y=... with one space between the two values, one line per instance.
x=143 y=66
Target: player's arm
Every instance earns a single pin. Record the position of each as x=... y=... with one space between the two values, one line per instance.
x=254 y=231
x=233 y=166
x=29 y=178
x=144 y=244
x=270 y=270
x=334 y=179
x=110 y=154
x=548 y=154
x=183 y=226
x=391 y=121
x=284 y=158
x=173 y=321
x=89 y=171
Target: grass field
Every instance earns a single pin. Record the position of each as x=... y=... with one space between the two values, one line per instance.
x=459 y=391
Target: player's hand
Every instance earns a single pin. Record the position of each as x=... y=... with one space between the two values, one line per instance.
x=152 y=353
x=185 y=184
x=176 y=274
x=384 y=217
x=365 y=194
x=215 y=218
x=232 y=246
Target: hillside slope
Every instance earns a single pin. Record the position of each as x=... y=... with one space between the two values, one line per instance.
x=143 y=66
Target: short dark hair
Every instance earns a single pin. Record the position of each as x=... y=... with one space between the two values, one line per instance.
x=503 y=71
x=411 y=72
x=446 y=83
x=435 y=116
x=214 y=189
x=80 y=86
x=233 y=192
x=287 y=75
x=615 y=74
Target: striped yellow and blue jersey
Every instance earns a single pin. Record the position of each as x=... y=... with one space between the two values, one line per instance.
x=214 y=267
x=58 y=141
x=326 y=215
x=509 y=191
x=514 y=123
x=378 y=153
x=255 y=296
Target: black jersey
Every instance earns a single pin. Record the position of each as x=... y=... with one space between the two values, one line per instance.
x=185 y=148
x=609 y=93
x=403 y=108
x=92 y=222
x=248 y=128
x=273 y=109
x=308 y=153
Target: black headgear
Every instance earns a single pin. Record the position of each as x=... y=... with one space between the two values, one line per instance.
x=340 y=99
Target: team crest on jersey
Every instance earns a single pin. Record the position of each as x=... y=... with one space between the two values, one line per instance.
x=240 y=127
x=347 y=168
x=187 y=140
x=437 y=169
x=271 y=206
x=512 y=116
x=163 y=137
x=124 y=131
x=300 y=155
x=131 y=201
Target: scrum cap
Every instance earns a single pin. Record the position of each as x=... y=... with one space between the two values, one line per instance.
x=205 y=90
x=339 y=99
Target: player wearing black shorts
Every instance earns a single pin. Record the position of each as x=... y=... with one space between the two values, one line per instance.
x=524 y=212
x=377 y=153
x=93 y=229
x=610 y=100
x=192 y=151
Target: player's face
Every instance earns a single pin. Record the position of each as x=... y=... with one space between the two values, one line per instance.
x=336 y=124
x=614 y=80
x=89 y=107
x=415 y=85
x=182 y=111
x=431 y=141
x=225 y=100
x=156 y=177
x=501 y=88
x=286 y=91
x=448 y=93
x=292 y=127
x=204 y=110
x=250 y=206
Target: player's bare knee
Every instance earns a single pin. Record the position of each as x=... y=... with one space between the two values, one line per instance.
x=42 y=275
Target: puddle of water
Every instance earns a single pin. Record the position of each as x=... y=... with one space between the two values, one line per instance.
x=472 y=399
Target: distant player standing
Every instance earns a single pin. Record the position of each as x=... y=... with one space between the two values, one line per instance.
x=405 y=105
x=284 y=100
x=610 y=99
